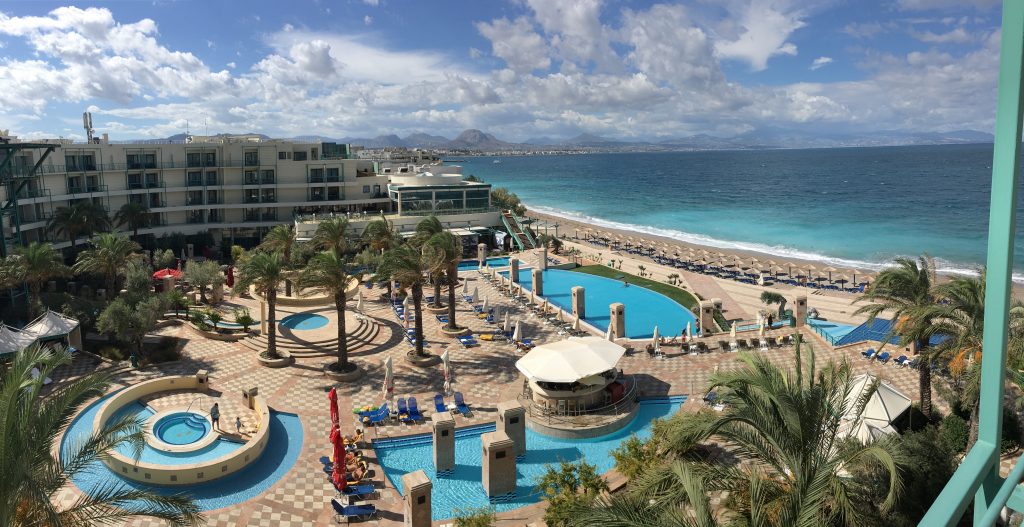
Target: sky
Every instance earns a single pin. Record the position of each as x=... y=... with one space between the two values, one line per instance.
x=519 y=69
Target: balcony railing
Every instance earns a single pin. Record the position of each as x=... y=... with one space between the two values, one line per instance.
x=87 y=189
x=427 y=212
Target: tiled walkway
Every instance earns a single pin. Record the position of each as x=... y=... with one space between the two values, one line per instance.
x=485 y=374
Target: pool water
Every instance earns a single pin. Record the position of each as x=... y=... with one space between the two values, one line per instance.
x=304 y=321
x=498 y=261
x=835 y=330
x=462 y=488
x=644 y=308
x=181 y=428
x=280 y=455
x=209 y=452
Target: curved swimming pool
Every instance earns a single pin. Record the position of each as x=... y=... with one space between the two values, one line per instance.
x=462 y=488
x=304 y=321
x=181 y=428
x=644 y=308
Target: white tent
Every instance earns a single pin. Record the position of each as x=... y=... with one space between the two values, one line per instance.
x=51 y=324
x=570 y=360
x=13 y=341
x=884 y=406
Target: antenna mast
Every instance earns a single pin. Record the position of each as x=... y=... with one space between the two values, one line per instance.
x=87 y=124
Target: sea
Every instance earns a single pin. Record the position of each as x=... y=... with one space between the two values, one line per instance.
x=847 y=207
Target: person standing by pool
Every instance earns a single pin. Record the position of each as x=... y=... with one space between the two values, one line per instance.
x=238 y=425
x=215 y=415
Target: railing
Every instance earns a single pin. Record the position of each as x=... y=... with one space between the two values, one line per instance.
x=821 y=332
x=523 y=229
x=550 y=416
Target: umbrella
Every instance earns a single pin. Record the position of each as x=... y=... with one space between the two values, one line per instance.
x=732 y=332
x=165 y=273
x=405 y=304
x=829 y=270
x=359 y=301
x=508 y=325
x=338 y=473
x=484 y=308
x=570 y=360
x=531 y=297
x=843 y=279
x=576 y=323
x=609 y=335
x=332 y=396
x=388 y=389
x=689 y=332
x=654 y=338
x=760 y=329
x=465 y=287
x=517 y=335
x=230 y=279
x=447 y=366
x=476 y=294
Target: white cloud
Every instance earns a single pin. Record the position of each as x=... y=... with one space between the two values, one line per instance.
x=954 y=36
x=373 y=3
x=820 y=61
x=864 y=30
x=475 y=53
x=760 y=31
x=575 y=30
x=367 y=20
x=231 y=65
x=516 y=43
x=925 y=5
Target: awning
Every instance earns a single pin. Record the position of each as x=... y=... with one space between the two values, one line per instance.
x=50 y=325
x=570 y=360
x=884 y=406
x=13 y=341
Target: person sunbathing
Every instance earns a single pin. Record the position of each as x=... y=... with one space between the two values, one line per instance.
x=357 y=438
x=356 y=475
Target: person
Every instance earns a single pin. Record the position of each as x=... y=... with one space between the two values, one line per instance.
x=625 y=283
x=215 y=415
x=238 y=425
x=770 y=319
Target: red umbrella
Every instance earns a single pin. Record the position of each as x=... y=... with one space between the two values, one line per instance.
x=165 y=273
x=338 y=475
x=332 y=396
x=230 y=280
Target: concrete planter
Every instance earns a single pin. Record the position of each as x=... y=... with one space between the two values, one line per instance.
x=353 y=375
x=457 y=333
x=435 y=310
x=422 y=362
x=275 y=363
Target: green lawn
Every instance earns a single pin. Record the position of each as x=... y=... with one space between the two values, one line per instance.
x=685 y=298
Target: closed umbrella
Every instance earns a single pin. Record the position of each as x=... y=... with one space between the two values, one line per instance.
x=405 y=305
x=465 y=287
x=508 y=325
x=732 y=332
x=476 y=294
x=447 y=369
x=484 y=308
x=689 y=332
x=388 y=388
x=332 y=398
x=517 y=335
x=230 y=279
x=576 y=323
x=359 y=301
x=654 y=338
x=609 y=334
x=338 y=471
x=760 y=329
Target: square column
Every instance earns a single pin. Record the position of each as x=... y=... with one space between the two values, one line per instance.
x=512 y=421
x=416 y=488
x=579 y=306
x=444 y=442
x=538 y=282
x=800 y=313
x=707 y=315
x=617 y=320
x=513 y=270
x=543 y=257
x=499 y=464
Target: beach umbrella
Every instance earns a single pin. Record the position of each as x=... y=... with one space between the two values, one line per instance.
x=689 y=332
x=447 y=369
x=843 y=279
x=789 y=267
x=609 y=334
x=465 y=287
x=829 y=270
x=854 y=273
x=654 y=338
x=388 y=390
x=359 y=301
x=332 y=398
x=476 y=294
x=405 y=304
x=484 y=307
x=507 y=326
x=338 y=471
x=517 y=334
x=576 y=323
x=732 y=332
x=760 y=329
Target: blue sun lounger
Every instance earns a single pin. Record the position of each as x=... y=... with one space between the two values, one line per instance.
x=883 y=357
x=348 y=512
x=414 y=410
x=460 y=404
x=359 y=491
x=869 y=353
x=439 y=405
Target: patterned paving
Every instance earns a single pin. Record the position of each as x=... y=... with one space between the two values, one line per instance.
x=484 y=374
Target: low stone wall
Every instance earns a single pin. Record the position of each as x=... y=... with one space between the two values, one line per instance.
x=564 y=432
x=181 y=474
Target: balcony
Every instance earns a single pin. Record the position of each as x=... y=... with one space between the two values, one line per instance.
x=252 y=199
x=196 y=219
x=86 y=189
x=252 y=181
x=194 y=201
x=195 y=183
x=268 y=180
x=269 y=199
x=33 y=193
x=268 y=216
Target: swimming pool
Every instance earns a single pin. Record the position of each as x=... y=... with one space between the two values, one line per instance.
x=497 y=261
x=214 y=450
x=462 y=488
x=181 y=428
x=831 y=331
x=280 y=455
x=304 y=321
x=644 y=308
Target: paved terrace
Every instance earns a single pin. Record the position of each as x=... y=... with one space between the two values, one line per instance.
x=485 y=374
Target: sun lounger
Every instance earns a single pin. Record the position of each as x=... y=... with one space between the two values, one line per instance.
x=764 y=345
x=734 y=346
x=348 y=512
x=379 y=417
x=868 y=353
x=460 y=404
x=883 y=357
x=439 y=405
x=442 y=318
x=403 y=411
x=361 y=492
x=415 y=415
x=901 y=361
x=755 y=343
x=723 y=345
x=742 y=343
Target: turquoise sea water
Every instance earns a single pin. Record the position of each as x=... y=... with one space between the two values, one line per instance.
x=850 y=207
x=463 y=489
x=645 y=309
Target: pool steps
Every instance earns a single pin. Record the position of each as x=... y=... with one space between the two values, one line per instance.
x=359 y=339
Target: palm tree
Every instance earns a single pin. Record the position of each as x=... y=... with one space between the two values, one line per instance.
x=332 y=235
x=265 y=271
x=443 y=252
x=34 y=473
x=406 y=265
x=109 y=256
x=135 y=216
x=12 y=273
x=84 y=217
x=281 y=239
x=329 y=273
x=907 y=291
x=771 y=297
x=380 y=235
x=786 y=426
x=425 y=230
x=40 y=263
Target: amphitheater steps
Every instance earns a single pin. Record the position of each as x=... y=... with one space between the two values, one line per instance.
x=359 y=339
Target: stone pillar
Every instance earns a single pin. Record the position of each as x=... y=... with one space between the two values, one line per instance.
x=481 y=253
x=513 y=270
x=717 y=303
x=538 y=282
x=512 y=421
x=499 y=464
x=800 y=313
x=707 y=315
x=444 y=442
x=75 y=338
x=579 y=305
x=617 y=320
x=250 y=397
x=416 y=488
x=203 y=380
x=543 y=257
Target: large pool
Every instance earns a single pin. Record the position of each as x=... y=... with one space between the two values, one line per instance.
x=462 y=489
x=278 y=458
x=497 y=261
x=644 y=308
x=209 y=452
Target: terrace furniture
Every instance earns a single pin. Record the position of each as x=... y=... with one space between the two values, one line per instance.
x=442 y=318
x=382 y=415
x=742 y=344
x=723 y=345
x=755 y=343
x=468 y=341
x=734 y=346
x=901 y=361
x=403 y=411
x=703 y=347
x=914 y=363
x=764 y=345
x=348 y=512
x=439 y=405
x=460 y=404
x=882 y=357
x=360 y=492
x=868 y=353
x=415 y=415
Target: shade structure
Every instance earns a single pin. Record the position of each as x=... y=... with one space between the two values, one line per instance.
x=829 y=270
x=476 y=294
x=332 y=399
x=517 y=334
x=167 y=273
x=507 y=326
x=50 y=324
x=576 y=323
x=388 y=388
x=882 y=408
x=359 y=301
x=654 y=337
x=13 y=341
x=570 y=360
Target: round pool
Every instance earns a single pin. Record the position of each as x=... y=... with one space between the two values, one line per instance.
x=302 y=321
x=181 y=428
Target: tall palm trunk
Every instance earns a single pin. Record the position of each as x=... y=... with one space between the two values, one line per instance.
x=34 y=300
x=271 y=324
x=437 y=291
x=453 y=281
x=417 y=300
x=924 y=378
x=975 y=414
x=339 y=305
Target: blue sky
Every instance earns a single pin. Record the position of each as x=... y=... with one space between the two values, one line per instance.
x=517 y=68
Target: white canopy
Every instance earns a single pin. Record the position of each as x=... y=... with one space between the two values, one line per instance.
x=51 y=324
x=570 y=360
x=13 y=341
x=884 y=406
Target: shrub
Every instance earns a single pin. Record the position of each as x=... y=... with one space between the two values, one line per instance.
x=165 y=350
x=237 y=252
x=243 y=317
x=112 y=352
x=954 y=432
x=214 y=317
x=477 y=517
x=567 y=487
x=633 y=457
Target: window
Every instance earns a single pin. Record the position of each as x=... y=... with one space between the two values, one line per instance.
x=134 y=161
x=211 y=197
x=152 y=180
x=252 y=158
x=477 y=199
x=193 y=159
x=211 y=178
x=195 y=197
x=251 y=177
x=88 y=162
x=267 y=176
x=419 y=200
x=376 y=191
x=138 y=199
x=195 y=179
x=366 y=189
x=134 y=181
x=316 y=175
x=283 y=156
x=268 y=196
x=332 y=174
x=252 y=196
x=211 y=159
x=448 y=199
x=334 y=193
x=149 y=161
x=299 y=156
x=70 y=163
x=313 y=154
x=155 y=201
x=316 y=194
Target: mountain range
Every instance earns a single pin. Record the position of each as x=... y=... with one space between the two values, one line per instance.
x=476 y=140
